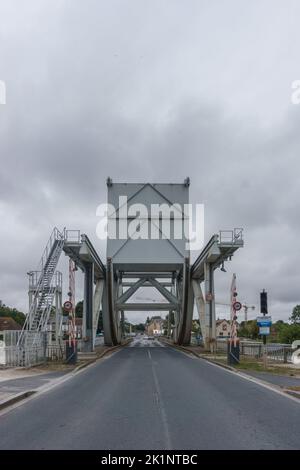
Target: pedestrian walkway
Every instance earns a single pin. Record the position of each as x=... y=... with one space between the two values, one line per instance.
x=17 y=384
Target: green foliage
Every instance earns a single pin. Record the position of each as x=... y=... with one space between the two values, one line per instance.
x=249 y=329
x=79 y=309
x=196 y=327
x=79 y=314
x=283 y=332
x=295 y=317
x=126 y=326
x=139 y=327
x=172 y=319
x=19 y=317
x=289 y=333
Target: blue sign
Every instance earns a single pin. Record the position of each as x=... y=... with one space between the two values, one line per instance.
x=264 y=330
x=264 y=321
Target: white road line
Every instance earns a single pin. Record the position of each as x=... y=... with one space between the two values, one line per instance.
x=161 y=405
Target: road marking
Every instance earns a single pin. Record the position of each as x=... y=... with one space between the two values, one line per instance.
x=161 y=405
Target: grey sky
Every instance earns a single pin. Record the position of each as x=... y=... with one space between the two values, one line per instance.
x=152 y=91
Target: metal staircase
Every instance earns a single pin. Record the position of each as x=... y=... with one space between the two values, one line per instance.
x=44 y=291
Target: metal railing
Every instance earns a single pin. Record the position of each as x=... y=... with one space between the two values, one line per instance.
x=44 y=291
x=275 y=351
x=34 y=277
x=231 y=236
x=55 y=235
x=72 y=236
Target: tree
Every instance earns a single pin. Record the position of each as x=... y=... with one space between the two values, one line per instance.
x=196 y=326
x=249 y=329
x=127 y=326
x=18 y=316
x=295 y=317
x=140 y=327
x=79 y=309
x=289 y=333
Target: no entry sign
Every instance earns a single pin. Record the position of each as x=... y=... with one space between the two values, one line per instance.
x=237 y=306
x=68 y=305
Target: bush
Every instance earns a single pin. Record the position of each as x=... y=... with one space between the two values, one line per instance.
x=19 y=317
x=289 y=333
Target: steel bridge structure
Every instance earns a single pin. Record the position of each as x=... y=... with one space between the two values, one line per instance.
x=161 y=262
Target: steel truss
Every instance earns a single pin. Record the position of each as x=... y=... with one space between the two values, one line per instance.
x=129 y=266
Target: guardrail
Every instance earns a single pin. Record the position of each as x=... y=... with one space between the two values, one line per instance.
x=231 y=236
x=276 y=352
x=72 y=236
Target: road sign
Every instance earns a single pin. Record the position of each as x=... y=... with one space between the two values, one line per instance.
x=237 y=306
x=68 y=306
x=264 y=330
x=264 y=321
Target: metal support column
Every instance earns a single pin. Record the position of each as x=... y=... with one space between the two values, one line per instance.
x=200 y=304
x=210 y=313
x=122 y=324
x=88 y=306
x=97 y=306
x=58 y=315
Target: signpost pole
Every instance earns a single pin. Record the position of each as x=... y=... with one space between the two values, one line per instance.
x=264 y=311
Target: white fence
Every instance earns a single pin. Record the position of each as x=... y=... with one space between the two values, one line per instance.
x=12 y=355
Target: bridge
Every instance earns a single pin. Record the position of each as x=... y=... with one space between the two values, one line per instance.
x=130 y=400
x=162 y=261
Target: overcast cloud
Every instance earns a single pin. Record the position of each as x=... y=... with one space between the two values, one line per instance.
x=153 y=91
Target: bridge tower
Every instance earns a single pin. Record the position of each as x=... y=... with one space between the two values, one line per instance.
x=147 y=256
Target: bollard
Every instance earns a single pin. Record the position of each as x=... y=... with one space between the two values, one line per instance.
x=233 y=352
x=71 y=353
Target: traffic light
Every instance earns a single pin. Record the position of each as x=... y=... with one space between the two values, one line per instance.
x=263 y=302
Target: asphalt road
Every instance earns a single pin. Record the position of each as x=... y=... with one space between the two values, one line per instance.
x=29 y=383
x=147 y=397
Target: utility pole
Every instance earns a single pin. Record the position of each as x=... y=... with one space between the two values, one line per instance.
x=69 y=306
x=264 y=311
x=246 y=308
x=233 y=352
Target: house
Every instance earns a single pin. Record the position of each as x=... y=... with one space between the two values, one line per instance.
x=8 y=323
x=65 y=327
x=155 y=326
x=222 y=328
